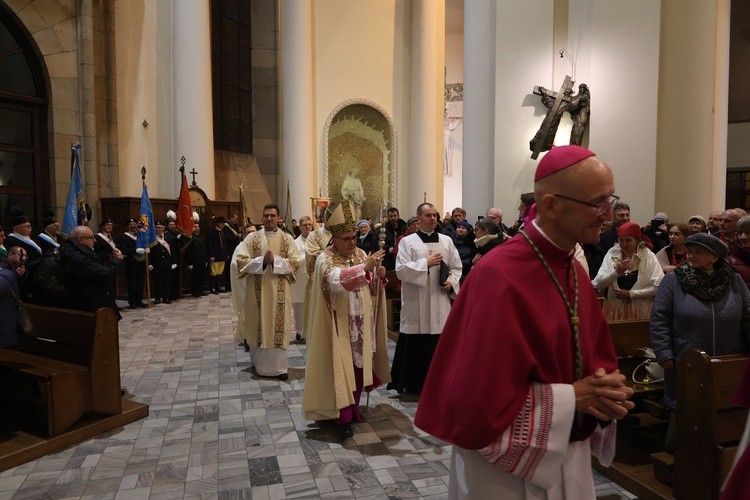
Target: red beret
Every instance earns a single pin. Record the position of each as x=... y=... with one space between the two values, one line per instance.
x=630 y=229
x=559 y=158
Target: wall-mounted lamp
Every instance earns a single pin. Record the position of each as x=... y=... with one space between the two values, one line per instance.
x=145 y=123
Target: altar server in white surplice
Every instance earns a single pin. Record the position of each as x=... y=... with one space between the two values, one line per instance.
x=429 y=267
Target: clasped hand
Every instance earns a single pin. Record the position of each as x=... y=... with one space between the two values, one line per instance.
x=268 y=258
x=622 y=294
x=603 y=395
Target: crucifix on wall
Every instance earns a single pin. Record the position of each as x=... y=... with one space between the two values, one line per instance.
x=557 y=103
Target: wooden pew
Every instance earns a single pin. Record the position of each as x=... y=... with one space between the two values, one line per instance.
x=709 y=423
x=629 y=337
x=642 y=432
x=67 y=366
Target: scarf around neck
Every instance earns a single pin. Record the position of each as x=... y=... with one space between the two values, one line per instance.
x=705 y=286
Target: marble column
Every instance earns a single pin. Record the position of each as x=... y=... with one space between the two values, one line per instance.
x=479 y=107
x=193 y=134
x=298 y=158
x=693 y=109
x=425 y=165
x=87 y=109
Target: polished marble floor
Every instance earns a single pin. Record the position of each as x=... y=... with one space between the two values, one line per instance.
x=217 y=431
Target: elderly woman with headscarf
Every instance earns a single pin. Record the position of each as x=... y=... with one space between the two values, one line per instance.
x=366 y=240
x=631 y=274
x=703 y=305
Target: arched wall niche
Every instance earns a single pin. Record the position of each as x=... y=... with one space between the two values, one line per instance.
x=360 y=136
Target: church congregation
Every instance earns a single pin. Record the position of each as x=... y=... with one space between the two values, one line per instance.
x=327 y=287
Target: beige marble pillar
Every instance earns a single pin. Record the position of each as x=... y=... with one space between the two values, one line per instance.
x=426 y=110
x=193 y=134
x=479 y=107
x=298 y=157
x=693 y=98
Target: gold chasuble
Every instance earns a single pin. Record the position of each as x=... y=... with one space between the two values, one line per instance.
x=263 y=297
x=343 y=297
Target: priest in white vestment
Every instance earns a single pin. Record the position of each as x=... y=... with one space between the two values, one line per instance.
x=348 y=352
x=316 y=242
x=264 y=268
x=300 y=287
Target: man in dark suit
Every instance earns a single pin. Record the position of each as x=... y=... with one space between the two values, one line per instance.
x=87 y=277
x=173 y=238
x=50 y=238
x=161 y=265
x=196 y=257
x=232 y=239
x=105 y=244
x=217 y=253
x=395 y=225
x=135 y=267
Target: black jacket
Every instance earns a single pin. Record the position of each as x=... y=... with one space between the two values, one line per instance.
x=196 y=252
x=369 y=243
x=391 y=235
x=87 y=277
x=160 y=257
x=44 y=283
x=232 y=239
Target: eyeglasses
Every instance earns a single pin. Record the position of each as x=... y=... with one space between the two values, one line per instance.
x=601 y=208
x=348 y=240
x=87 y=237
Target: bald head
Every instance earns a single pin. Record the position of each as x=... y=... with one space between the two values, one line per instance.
x=573 y=203
x=83 y=235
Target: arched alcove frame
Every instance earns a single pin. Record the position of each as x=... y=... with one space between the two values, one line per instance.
x=393 y=153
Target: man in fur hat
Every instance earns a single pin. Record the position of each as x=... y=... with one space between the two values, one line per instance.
x=266 y=263
x=348 y=352
x=21 y=236
x=50 y=238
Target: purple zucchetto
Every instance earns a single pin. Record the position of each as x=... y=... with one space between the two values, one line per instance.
x=559 y=158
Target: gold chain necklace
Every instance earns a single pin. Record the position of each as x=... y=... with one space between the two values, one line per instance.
x=572 y=309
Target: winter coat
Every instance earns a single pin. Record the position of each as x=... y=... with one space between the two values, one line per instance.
x=681 y=321
x=87 y=277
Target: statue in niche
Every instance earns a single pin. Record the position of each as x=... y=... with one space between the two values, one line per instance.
x=557 y=103
x=352 y=190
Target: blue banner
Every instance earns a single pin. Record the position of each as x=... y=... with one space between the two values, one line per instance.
x=74 y=192
x=146 y=228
